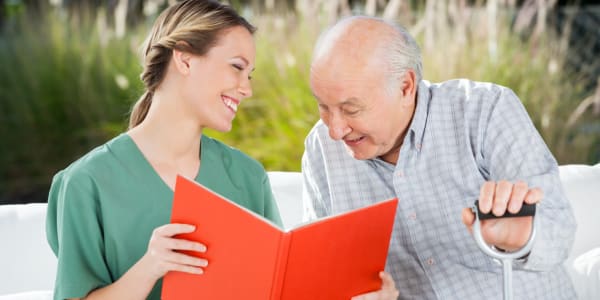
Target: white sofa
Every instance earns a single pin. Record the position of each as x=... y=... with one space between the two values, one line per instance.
x=27 y=265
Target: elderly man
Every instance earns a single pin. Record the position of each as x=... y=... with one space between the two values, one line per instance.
x=384 y=132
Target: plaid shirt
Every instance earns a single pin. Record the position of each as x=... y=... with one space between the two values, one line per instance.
x=462 y=134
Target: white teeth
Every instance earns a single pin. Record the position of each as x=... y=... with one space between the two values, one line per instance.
x=230 y=103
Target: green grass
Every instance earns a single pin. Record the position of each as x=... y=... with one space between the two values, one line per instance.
x=59 y=97
x=535 y=70
x=66 y=86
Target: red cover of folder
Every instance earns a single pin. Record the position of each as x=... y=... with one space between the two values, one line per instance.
x=250 y=258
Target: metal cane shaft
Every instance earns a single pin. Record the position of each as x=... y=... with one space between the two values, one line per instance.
x=507 y=273
x=505 y=257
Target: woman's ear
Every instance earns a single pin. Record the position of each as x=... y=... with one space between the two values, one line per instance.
x=181 y=60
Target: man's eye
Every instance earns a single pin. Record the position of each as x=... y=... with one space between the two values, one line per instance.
x=351 y=112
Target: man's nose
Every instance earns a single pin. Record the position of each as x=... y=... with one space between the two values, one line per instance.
x=338 y=128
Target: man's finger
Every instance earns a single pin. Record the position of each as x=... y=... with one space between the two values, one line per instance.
x=387 y=281
x=486 y=196
x=519 y=191
x=468 y=217
x=534 y=195
x=503 y=191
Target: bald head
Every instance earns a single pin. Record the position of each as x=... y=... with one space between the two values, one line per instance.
x=364 y=78
x=366 y=43
x=353 y=38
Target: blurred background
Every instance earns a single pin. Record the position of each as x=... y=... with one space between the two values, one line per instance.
x=69 y=73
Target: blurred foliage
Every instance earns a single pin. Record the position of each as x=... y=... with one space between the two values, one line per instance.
x=64 y=88
x=67 y=84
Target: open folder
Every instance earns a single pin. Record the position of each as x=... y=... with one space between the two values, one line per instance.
x=251 y=258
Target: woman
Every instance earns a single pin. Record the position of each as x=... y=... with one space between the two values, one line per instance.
x=107 y=210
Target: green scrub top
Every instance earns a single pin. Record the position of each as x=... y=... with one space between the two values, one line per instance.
x=103 y=208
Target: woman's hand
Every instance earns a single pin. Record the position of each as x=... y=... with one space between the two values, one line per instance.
x=160 y=258
x=162 y=255
x=388 y=290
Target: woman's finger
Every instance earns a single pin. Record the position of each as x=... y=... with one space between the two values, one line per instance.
x=169 y=230
x=181 y=244
x=183 y=259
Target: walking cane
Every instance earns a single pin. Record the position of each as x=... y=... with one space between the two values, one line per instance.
x=505 y=257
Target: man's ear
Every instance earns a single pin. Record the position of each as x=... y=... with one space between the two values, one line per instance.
x=409 y=86
x=181 y=61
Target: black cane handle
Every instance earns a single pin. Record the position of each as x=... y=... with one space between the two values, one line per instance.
x=526 y=210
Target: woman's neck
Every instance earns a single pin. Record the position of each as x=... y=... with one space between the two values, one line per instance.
x=168 y=133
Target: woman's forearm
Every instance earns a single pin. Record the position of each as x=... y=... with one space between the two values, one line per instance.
x=136 y=283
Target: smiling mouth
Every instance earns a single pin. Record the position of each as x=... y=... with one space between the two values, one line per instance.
x=231 y=103
x=354 y=142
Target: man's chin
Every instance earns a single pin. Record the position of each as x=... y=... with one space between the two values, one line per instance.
x=358 y=155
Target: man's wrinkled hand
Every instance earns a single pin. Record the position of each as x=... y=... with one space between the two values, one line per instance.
x=388 y=290
x=499 y=197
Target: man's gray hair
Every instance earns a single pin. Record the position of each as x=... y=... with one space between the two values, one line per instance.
x=400 y=50
x=403 y=53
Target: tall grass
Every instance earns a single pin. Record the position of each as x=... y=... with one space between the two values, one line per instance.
x=66 y=86
x=535 y=68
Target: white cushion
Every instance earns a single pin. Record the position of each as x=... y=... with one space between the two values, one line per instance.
x=287 y=189
x=582 y=186
x=27 y=262
x=586 y=275
x=33 y=295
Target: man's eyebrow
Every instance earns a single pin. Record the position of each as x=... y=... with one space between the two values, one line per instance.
x=351 y=101
x=317 y=98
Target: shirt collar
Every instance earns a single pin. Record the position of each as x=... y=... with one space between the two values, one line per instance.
x=417 y=126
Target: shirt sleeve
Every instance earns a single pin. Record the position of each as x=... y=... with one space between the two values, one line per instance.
x=74 y=232
x=513 y=150
x=315 y=194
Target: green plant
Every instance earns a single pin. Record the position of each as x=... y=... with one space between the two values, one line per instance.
x=65 y=87
x=67 y=84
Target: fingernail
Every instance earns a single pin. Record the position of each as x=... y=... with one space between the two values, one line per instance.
x=498 y=212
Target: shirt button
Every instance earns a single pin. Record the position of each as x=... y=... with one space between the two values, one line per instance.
x=400 y=174
x=412 y=216
x=430 y=261
x=418 y=146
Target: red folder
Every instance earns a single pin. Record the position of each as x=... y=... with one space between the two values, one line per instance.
x=250 y=258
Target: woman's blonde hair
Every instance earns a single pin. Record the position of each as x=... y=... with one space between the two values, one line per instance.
x=191 y=26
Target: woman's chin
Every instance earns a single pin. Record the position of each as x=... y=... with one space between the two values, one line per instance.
x=224 y=128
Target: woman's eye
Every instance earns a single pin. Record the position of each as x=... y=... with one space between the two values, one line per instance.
x=238 y=67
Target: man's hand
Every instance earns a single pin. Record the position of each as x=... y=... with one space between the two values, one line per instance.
x=509 y=234
x=388 y=290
